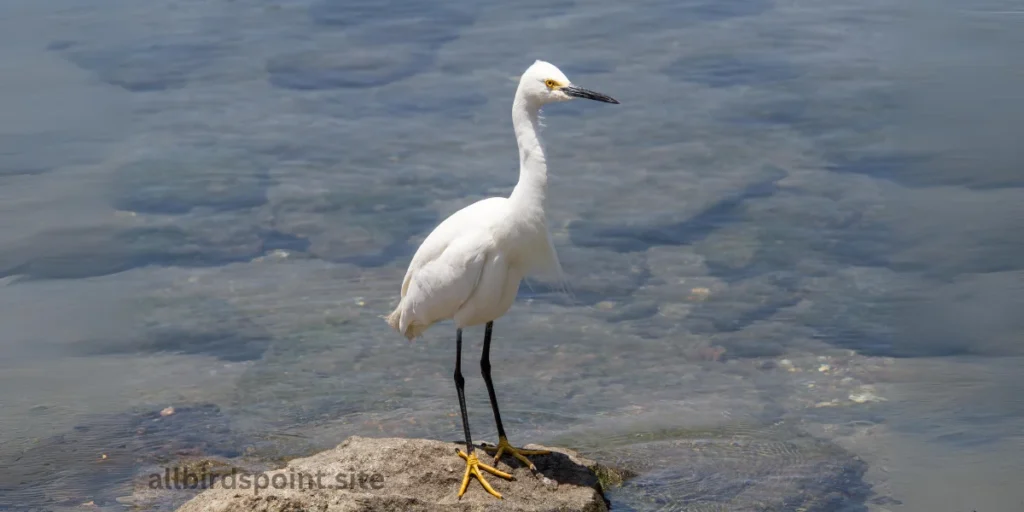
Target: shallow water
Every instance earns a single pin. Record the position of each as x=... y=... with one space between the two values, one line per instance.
x=803 y=219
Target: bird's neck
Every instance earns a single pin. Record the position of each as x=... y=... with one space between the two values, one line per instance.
x=531 y=190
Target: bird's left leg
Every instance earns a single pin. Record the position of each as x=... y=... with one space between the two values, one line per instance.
x=473 y=466
x=503 y=445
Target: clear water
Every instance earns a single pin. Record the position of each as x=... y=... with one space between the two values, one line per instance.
x=805 y=218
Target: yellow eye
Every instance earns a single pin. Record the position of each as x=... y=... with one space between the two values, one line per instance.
x=550 y=83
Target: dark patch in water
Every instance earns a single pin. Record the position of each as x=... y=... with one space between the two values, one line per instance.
x=460 y=105
x=79 y=253
x=369 y=224
x=142 y=66
x=754 y=312
x=69 y=469
x=386 y=255
x=389 y=41
x=790 y=110
x=353 y=68
x=21 y=170
x=229 y=342
x=977 y=315
x=690 y=12
x=711 y=10
x=732 y=70
x=188 y=325
x=640 y=238
x=610 y=276
x=541 y=9
x=587 y=67
x=59 y=45
x=729 y=314
x=890 y=166
x=921 y=169
x=393 y=21
x=867 y=245
x=177 y=246
x=172 y=187
x=634 y=311
x=748 y=470
x=275 y=240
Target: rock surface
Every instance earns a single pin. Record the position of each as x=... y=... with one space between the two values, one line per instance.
x=378 y=474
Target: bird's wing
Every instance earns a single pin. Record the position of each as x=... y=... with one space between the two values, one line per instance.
x=442 y=285
x=469 y=218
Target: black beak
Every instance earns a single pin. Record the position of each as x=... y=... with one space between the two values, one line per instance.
x=579 y=92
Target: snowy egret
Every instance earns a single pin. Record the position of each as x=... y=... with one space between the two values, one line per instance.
x=470 y=266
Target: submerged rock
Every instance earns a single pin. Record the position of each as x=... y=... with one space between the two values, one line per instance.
x=377 y=474
x=96 y=461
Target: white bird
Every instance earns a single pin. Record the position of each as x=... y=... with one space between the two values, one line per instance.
x=470 y=266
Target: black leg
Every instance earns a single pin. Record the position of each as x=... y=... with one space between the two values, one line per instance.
x=485 y=369
x=460 y=386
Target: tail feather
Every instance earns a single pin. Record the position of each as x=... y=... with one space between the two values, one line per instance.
x=408 y=327
x=395 y=319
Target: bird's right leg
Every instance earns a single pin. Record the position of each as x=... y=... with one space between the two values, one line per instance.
x=503 y=445
x=473 y=465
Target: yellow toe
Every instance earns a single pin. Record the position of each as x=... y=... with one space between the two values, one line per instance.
x=504 y=447
x=473 y=467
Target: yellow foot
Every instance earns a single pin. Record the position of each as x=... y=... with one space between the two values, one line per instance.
x=504 y=447
x=473 y=466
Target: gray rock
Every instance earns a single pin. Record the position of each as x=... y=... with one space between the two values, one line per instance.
x=378 y=474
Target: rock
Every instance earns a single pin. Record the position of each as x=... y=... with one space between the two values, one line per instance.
x=377 y=474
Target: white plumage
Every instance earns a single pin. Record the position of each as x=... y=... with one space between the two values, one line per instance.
x=470 y=266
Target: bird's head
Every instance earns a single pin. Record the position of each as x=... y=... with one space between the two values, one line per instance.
x=543 y=83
